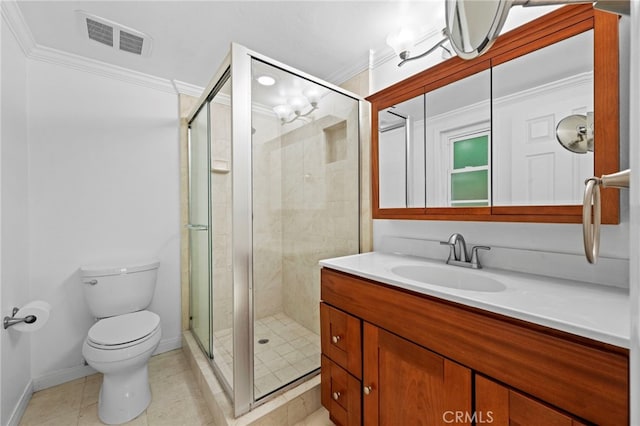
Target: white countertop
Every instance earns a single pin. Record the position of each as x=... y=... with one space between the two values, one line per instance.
x=598 y=312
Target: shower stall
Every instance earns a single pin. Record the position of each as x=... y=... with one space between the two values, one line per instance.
x=273 y=188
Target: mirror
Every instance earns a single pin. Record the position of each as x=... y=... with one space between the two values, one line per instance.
x=479 y=139
x=473 y=25
x=530 y=166
x=401 y=147
x=458 y=142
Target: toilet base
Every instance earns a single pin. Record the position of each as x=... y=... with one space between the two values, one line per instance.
x=124 y=396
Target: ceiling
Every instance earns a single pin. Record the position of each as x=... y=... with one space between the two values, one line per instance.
x=329 y=39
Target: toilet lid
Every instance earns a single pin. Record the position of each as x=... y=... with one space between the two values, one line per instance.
x=123 y=329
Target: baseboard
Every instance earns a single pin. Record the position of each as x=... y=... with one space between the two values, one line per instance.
x=68 y=374
x=167 y=345
x=21 y=406
x=61 y=376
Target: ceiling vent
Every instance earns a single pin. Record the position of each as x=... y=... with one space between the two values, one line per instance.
x=113 y=34
x=100 y=32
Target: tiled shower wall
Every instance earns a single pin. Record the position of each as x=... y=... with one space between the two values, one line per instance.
x=267 y=217
x=221 y=215
x=320 y=211
x=305 y=209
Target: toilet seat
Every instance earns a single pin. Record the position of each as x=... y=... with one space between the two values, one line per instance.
x=123 y=331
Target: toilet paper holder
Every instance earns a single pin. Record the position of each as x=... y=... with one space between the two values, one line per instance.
x=12 y=320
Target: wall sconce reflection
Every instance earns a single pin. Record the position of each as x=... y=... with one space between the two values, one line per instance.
x=298 y=107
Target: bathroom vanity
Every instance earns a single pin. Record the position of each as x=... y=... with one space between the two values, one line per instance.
x=532 y=350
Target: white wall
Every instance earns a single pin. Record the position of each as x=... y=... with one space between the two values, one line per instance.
x=103 y=184
x=15 y=370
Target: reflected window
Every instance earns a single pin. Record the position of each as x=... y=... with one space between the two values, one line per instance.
x=469 y=175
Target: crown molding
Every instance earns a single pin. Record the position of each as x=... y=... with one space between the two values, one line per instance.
x=14 y=19
x=81 y=63
x=341 y=76
x=573 y=81
x=184 y=88
x=16 y=24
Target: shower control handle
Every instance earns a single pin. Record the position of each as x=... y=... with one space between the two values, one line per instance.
x=335 y=339
x=336 y=396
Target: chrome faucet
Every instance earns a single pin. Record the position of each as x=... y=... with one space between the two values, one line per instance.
x=456 y=240
x=458 y=252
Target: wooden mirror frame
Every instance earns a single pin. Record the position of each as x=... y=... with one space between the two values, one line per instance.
x=554 y=27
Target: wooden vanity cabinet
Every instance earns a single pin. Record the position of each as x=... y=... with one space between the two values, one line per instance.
x=341 y=365
x=341 y=339
x=500 y=406
x=340 y=394
x=428 y=361
x=419 y=387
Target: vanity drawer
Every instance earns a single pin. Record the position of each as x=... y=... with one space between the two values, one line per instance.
x=341 y=394
x=341 y=338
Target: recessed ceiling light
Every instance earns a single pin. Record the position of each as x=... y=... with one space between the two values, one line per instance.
x=266 y=80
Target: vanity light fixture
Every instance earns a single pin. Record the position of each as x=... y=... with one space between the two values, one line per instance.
x=293 y=109
x=402 y=41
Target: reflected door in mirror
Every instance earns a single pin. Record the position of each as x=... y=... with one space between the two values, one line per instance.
x=531 y=94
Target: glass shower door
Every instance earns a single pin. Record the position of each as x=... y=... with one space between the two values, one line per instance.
x=305 y=192
x=198 y=226
x=221 y=231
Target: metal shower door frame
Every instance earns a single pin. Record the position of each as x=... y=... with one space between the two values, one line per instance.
x=239 y=62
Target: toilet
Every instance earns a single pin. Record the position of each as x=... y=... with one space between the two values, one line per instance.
x=120 y=343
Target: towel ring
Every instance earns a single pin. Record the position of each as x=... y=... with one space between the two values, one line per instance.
x=591 y=208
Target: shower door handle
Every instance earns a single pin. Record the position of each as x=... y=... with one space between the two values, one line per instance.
x=197 y=227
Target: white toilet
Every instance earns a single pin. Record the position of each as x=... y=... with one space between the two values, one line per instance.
x=120 y=344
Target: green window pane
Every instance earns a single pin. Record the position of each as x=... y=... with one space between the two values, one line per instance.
x=472 y=152
x=470 y=185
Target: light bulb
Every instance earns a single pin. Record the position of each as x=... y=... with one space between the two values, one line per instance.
x=298 y=103
x=312 y=94
x=282 y=111
x=402 y=41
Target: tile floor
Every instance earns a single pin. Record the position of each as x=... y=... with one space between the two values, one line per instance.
x=176 y=400
x=291 y=352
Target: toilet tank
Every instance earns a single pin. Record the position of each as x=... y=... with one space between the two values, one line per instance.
x=119 y=289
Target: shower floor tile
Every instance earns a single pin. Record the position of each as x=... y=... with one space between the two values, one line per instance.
x=290 y=352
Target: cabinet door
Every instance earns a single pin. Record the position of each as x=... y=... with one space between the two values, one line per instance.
x=499 y=405
x=406 y=384
x=341 y=339
x=341 y=394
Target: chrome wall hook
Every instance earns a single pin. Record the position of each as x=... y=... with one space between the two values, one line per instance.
x=12 y=320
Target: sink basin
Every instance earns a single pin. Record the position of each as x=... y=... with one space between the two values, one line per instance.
x=450 y=276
